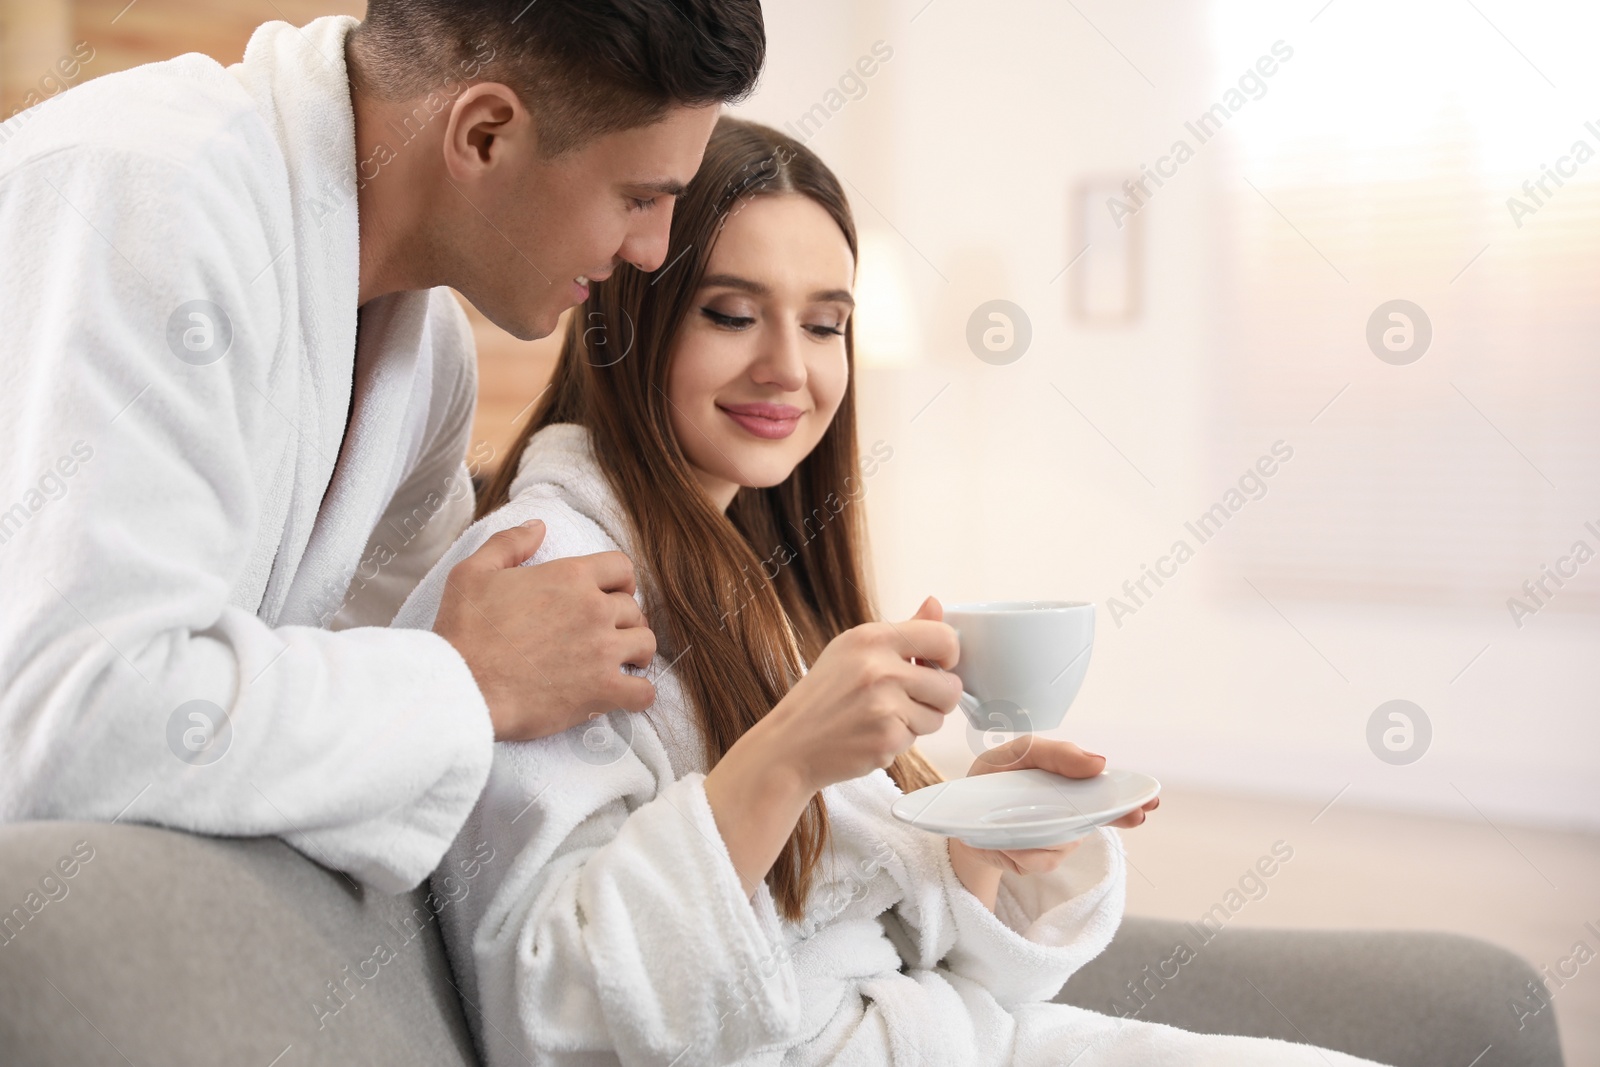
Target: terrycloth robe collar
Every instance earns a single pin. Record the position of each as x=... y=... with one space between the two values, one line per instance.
x=299 y=81
x=562 y=455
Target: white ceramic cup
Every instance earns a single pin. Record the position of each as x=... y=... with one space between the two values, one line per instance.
x=1022 y=661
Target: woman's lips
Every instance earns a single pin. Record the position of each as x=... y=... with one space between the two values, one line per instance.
x=772 y=422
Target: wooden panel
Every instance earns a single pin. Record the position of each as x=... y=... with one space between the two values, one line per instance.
x=511 y=375
x=146 y=31
x=35 y=51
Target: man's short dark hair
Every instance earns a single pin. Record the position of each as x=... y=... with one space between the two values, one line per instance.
x=582 y=67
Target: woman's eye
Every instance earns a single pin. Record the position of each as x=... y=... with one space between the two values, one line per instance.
x=731 y=322
x=826 y=331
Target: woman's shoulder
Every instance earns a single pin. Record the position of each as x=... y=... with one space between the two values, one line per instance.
x=568 y=532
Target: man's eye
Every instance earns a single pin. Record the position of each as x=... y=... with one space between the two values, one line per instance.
x=732 y=322
x=642 y=205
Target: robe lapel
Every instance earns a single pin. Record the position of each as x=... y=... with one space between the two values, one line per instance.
x=393 y=375
x=297 y=76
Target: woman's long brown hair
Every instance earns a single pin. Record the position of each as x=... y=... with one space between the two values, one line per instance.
x=739 y=600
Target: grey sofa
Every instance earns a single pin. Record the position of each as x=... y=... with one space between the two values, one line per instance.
x=128 y=945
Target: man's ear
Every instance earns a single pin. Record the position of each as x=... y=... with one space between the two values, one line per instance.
x=487 y=124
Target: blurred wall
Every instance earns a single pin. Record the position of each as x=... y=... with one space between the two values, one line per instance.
x=1066 y=473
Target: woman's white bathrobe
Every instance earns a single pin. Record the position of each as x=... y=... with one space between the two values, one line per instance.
x=173 y=532
x=597 y=918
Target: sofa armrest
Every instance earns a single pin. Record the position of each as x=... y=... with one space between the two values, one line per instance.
x=1407 y=998
x=171 y=948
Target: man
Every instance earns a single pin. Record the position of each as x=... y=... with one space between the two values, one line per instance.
x=235 y=402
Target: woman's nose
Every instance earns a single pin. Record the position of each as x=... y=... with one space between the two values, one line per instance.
x=781 y=363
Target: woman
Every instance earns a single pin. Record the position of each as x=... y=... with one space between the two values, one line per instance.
x=720 y=880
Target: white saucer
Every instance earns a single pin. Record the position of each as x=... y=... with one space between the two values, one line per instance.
x=1028 y=808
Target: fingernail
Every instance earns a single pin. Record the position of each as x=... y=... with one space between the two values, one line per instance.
x=1096 y=755
x=533 y=522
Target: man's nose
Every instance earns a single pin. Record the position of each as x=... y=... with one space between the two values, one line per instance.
x=646 y=245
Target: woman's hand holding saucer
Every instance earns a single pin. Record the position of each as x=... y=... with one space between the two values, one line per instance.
x=980 y=869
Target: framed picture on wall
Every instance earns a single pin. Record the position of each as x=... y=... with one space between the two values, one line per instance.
x=1104 y=288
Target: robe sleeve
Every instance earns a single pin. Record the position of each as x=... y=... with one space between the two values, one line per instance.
x=610 y=920
x=132 y=686
x=1044 y=926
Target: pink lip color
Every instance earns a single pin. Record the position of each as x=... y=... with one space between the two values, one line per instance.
x=772 y=422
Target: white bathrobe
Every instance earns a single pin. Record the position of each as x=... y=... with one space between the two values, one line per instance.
x=596 y=917
x=176 y=527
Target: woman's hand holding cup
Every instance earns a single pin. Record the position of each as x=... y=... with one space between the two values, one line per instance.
x=873 y=691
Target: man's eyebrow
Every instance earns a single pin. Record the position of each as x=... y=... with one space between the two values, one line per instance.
x=755 y=288
x=662 y=186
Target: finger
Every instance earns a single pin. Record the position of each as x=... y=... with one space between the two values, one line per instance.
x=510 y=547
x=1041 y=860
x=629 y=692
x=611 y=571
x=1063 y=757
x=936 y=689
x=628 y=613
x=1137 y=816
x=930 y=610
x=922 y=720
x=1011 y=864
x=927 y=640
x=1007 y=756
x=636 y=646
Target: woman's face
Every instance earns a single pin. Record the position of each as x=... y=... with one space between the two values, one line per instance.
x=758 y=368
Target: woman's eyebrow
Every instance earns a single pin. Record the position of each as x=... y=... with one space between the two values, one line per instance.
x=734 y=281
x=755 y=288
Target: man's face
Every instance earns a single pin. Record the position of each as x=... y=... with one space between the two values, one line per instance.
x=537 y=228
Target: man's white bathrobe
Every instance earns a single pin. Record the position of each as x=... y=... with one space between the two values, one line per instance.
x=187 y=529
x=596 y=917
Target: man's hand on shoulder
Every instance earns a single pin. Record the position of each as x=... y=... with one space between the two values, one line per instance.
x=546 y=643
